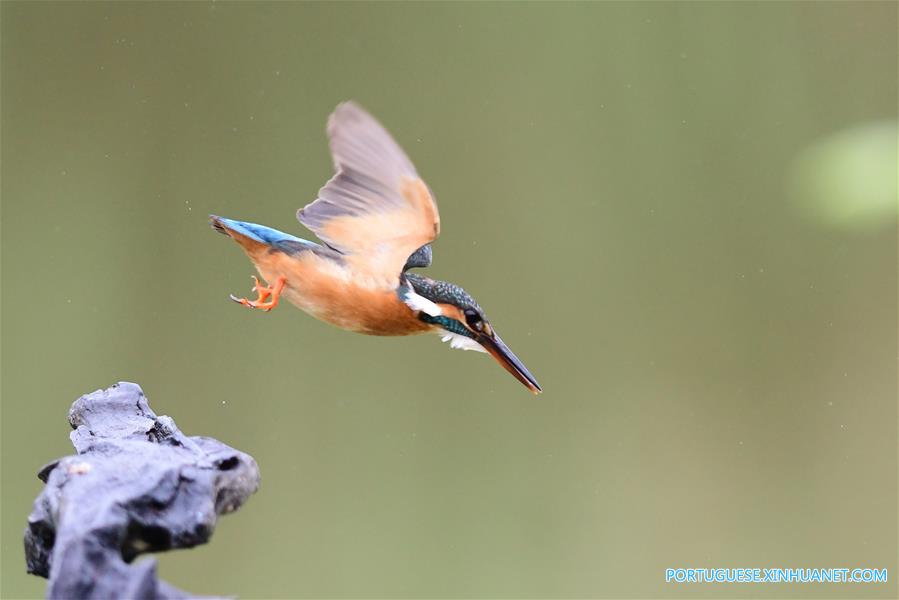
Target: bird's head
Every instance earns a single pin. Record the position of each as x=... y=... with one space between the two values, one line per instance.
x=460 y=321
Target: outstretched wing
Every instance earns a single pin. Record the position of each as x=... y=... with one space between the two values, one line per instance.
x=376 y=209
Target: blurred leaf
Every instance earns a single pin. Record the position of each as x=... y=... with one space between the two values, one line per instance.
x=848 y=179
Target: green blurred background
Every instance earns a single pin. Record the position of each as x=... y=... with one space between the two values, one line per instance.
x=681 y=216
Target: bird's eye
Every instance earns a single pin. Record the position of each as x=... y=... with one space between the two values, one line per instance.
x=473 y=319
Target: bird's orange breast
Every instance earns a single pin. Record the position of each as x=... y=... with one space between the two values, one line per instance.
x=338 y=294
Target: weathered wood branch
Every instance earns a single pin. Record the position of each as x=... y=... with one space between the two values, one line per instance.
x=136 y=485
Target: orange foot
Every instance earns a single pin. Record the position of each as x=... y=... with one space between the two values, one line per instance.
x=264 y=293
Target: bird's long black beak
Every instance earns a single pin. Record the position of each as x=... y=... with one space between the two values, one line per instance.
x=498 y=350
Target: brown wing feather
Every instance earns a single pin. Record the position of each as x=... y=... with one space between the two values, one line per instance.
x=376 y=208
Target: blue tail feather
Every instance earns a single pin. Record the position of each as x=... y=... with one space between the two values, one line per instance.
x=277 y=240
x=260 y=233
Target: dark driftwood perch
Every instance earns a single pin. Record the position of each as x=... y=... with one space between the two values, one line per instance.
x=136 y=485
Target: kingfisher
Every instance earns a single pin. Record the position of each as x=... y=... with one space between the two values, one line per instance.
x=376 y=219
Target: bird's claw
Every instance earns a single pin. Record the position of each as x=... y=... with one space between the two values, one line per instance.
x=263 y=293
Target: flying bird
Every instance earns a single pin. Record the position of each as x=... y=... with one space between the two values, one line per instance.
x=376 y=219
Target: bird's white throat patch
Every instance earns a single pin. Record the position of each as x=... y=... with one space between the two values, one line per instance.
x=420 y=303
x=460 y=341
